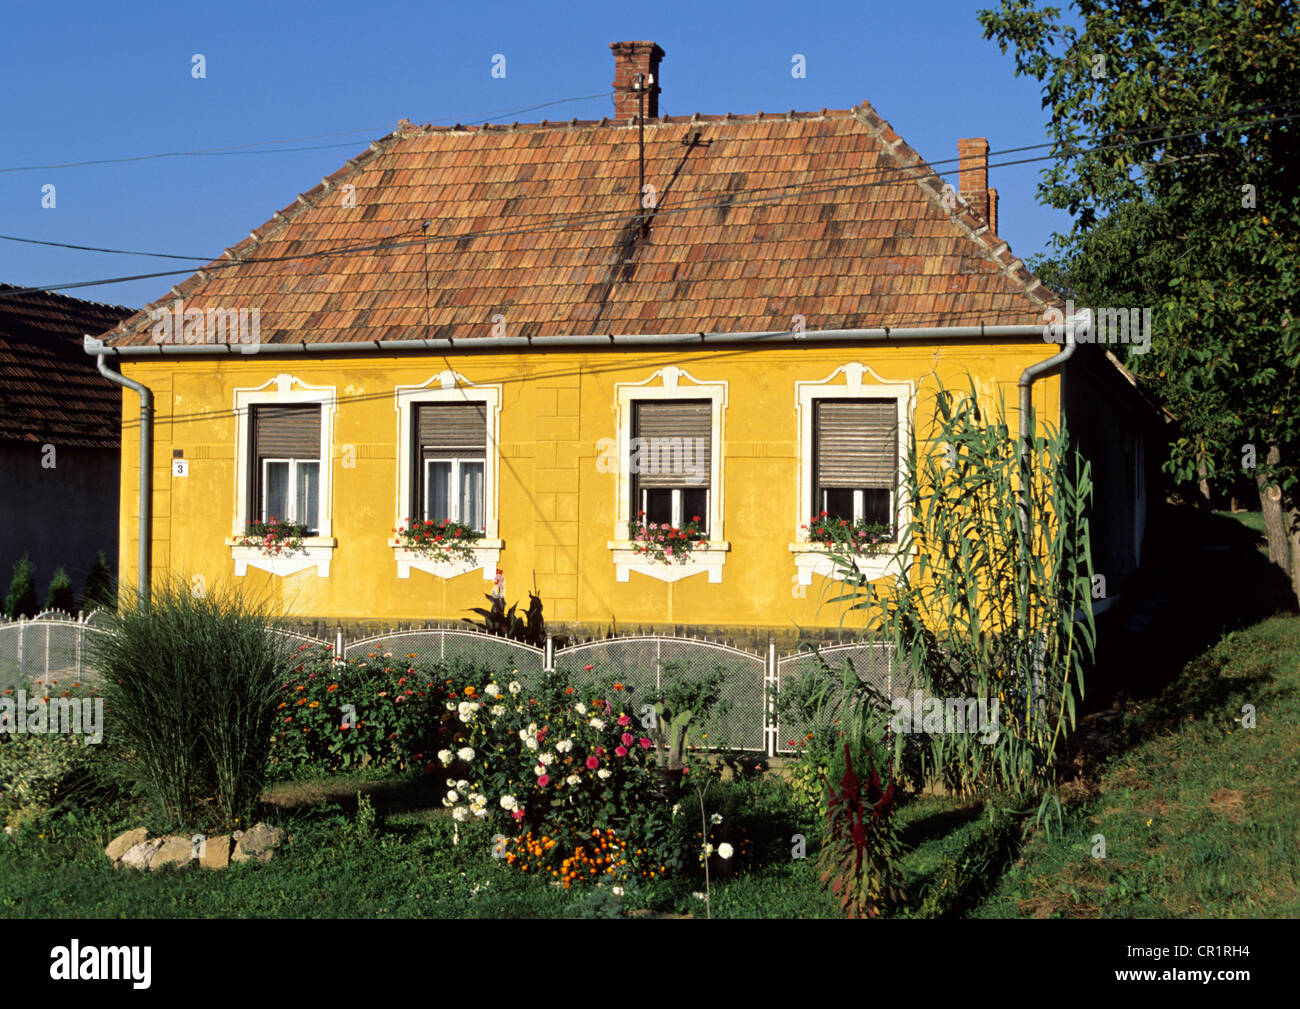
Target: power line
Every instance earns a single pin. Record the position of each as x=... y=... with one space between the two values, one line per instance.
x=819 y=187
x=242 y=149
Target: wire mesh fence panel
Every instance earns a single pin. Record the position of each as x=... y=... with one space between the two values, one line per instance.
x=50 y=649
x=872 y=663
x=63 y=644
x=488 y=652
x=293 y=644
x=9 y=660
x=646 y=663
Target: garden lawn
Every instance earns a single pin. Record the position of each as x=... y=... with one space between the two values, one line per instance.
x=354 y=864
x=1200 y=816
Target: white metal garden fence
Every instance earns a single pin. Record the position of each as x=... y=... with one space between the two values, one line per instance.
x=55 y=646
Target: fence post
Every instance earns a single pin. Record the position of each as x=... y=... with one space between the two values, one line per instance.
x=338 y=644
x=548 y=654
x=21 y=621
x=770 y=685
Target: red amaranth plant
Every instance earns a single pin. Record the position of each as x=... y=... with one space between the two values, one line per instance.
x=860 y=858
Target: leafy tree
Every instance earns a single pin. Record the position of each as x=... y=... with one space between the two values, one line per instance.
x=1176 y=153
x=21 y=598
x=60 y=595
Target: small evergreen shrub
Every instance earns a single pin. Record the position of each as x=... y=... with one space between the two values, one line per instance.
x=60 y=595
x=20 y=601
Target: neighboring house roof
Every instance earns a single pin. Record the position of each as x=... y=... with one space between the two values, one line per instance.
x=758 y=219
x=50 y=391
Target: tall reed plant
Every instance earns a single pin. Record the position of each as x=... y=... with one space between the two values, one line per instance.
x=991 y=603
x=192 y=682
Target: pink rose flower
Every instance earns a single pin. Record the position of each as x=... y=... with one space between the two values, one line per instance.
x=592 y=763
x=544 y=780
x=620 y=751
x=645 y=743
x=624 y=720
x=627 y=739
x=518 y=814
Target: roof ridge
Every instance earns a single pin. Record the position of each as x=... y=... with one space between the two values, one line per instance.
x=33 y=291
x=977 y=228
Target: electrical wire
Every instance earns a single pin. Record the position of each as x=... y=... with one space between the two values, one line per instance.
x=567 y=222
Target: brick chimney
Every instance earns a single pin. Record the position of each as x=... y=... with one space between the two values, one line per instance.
x=630 y=59
x=973 y=179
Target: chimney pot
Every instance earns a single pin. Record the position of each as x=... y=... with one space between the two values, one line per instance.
x=630 y=60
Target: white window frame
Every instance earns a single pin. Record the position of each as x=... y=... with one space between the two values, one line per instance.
x=292 y=502
x=447 y=387
x=677 y=517
x=848 y=381
x=456 y=462
x=666 y=384
x=317 y=550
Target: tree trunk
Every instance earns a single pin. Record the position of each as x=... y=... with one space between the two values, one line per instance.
x=1293 y=534
x=1275 y=525
x=1203 y=485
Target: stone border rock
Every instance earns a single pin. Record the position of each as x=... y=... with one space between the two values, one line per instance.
x=136 y=849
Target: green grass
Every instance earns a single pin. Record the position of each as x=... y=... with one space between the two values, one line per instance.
x=1201 y=817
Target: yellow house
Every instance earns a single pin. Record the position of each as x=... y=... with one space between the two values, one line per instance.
x=538 y=333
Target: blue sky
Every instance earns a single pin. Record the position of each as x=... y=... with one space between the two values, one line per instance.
x=92 y=81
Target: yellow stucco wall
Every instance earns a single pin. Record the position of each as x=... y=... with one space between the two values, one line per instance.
x=557 y=511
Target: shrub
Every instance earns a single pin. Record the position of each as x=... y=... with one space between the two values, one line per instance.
x=60 y=596
x=558 y=762
x=100 y=591
x=375 y=712
x=40 y=769
x=21 y=598
x=193 y=684
x=684 y=701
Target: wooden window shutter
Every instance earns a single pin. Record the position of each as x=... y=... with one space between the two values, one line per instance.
x=857 y=443
x=676 y=448
x=452 y=430
x=286 y=432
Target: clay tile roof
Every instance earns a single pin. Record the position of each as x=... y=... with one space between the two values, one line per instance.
x=829 y=216
x=50 y=390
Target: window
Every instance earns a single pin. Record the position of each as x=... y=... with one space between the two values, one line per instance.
x=670 y=461
x=855 y=459
x=287 y=464
x=449 y=455
x=451 y=444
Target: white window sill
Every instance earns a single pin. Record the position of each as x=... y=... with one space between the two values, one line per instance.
x=315 y=552
x=487 y=555
x=811 y=559
x=627 y=559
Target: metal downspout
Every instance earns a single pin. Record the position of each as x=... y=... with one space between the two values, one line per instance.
x=1025 y=387
x=146 y=470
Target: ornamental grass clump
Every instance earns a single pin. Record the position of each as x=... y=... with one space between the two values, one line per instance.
x=192 y=682
x=995 y=603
